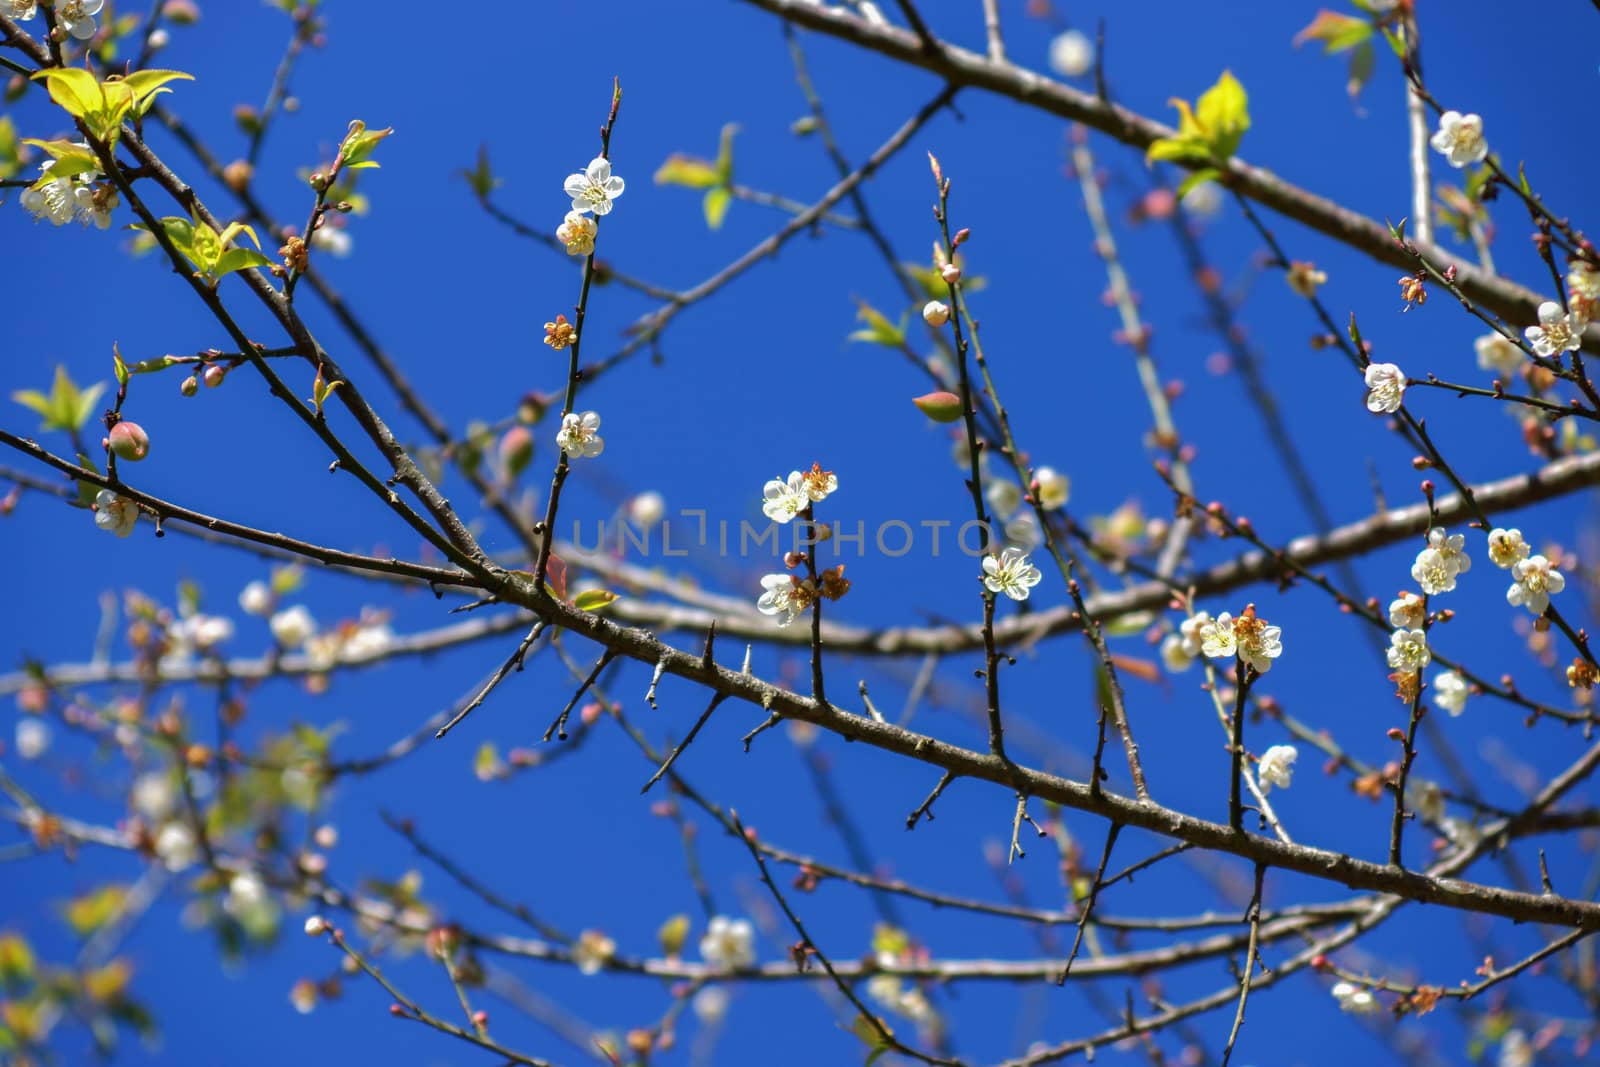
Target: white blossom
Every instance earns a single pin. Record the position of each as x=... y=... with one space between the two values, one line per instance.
x=1004 y=497
x=1437 y=566
x=1408 y=651
x=593 y=951
x=175 y=846
x=1386 y=387
x=647 y=509
x=203 y=632
x=1557 y=331
x=1174 y=655
x=785 y=596
x=783 y=500
x=1248 y=637
x=77 y=16
x=1203 y=201
x=1053 y=488
x=1506 y=548
x=21 y=10
x=1583 y=289
x=1276 y=767
x=710 y=1004
x=577 y=233
x=256 y=598
x=936 y=313
x=153 y=796
x=729 y=943
x=1191 y=629
x=1450 y=691
x=818 y=483
x=1071 y=54
x=594 y=188
x=316 y=926
x=1023 y=533
x=1011 y=573
x=1515 y=1050
x=579 y=436
x=33 y=738
x=1534 y=580
x=367 y=642
x=292 y=627
x=1497 y=355
x=1460 y=139
x=115 y=513
x=334 y=240
x=1354 y=999
x=1406 y=611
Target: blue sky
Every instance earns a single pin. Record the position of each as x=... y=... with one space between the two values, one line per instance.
x=751 y=385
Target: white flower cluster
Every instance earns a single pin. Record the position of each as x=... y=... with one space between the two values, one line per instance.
x=729 y=944
x=84 y=197
x=1180 y=650
x=73 y=16
x=782 y=500
x=1437 y=566
x=1248 y=637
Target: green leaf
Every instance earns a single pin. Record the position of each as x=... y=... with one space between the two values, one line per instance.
x=480 y=177
x=10 y=148
x=359 y=143
x=74 y=88
x=1336 y=31
x=1197 y=179
x=1224 y=112
x=593 y=599
x=1178 y=150
x=725 y=154
x=16 y=960
x=118 y=367
x=66 y=407
x=94 y=909
x=688 y=171
x=240 y=259
x=1363 y=58
x=716 y=206
x=879 y=330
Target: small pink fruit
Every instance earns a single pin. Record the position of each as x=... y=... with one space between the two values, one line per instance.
x=129 y=441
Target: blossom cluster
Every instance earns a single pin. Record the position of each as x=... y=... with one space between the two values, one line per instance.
x=86 y=197
x=787 y=595
x=75 y=17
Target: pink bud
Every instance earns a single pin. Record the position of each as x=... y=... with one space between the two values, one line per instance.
x=940 y=407
x=214 y=375
x=936 y=313
x=189 y=386
x=516 y=449
x=129 y=441
x=951 y=274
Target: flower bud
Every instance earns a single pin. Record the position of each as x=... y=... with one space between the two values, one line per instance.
x=189 y=386
x=951 y=274
x=516 y=449
x=940 y=406
x=936 y=313
x=315 y=926
x=214 y=375
x=129 y=441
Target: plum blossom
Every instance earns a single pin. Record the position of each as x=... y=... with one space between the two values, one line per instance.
x=579 y=436
x=1011 y=573
x=1071 y=54
x=203 y=632
x=785 y=596
x=20 y=10
x=729 y=943
x=577 y=232
x=256 y=598
x=1437 y=566
x=33 y=738
x=115 y=512
x=1022 y=532
x=594 y=188
x=1181 y=649
x=1386 y=388
x=1583 y=289
x=1535 y=579
x=1406 y=611
x=175 y=846
x=1506 y=548
x=1557 y=331
x=818 y=483
x=1460 y=139
x=1497 y=355
x=1276 y=767
x=1004 y=497
x=1354 y=999
x=1450 y=691
x=292 y=627
x=1248 y=637
x=782 y=500
x=1408 y=651
x=1051 y=487
x=593 y=951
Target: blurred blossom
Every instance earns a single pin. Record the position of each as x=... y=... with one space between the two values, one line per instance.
x=33 y=738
